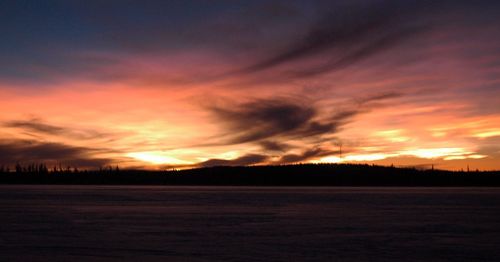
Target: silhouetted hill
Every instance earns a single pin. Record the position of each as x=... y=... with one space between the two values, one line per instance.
x=283 y=175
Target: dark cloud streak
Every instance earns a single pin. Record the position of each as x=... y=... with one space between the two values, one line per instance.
x=376 y=47
x=306 y=155
x=348 y=35
x=25 y=151
x=263 y=119
x=245 y=160
x=282 y=118
x=269 y=145
x=37 y=125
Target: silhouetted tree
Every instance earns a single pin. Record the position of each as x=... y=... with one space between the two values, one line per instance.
x=43 y=169
x=19 y=168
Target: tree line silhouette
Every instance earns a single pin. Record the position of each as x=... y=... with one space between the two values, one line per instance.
x=42 y=169
x=274 y=175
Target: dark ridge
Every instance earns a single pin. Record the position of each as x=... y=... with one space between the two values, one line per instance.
x=280 y=175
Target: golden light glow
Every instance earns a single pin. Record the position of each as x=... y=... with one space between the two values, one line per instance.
x=433 y=153
x=156 y=158
x=392 y=135
x=436 y=152
x=460 y=157
x=330 y=159
x=367 y=157
x=355 y=158
x=489 y=133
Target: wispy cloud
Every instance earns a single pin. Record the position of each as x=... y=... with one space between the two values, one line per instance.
x=39 y=126
x=344 y=38
x=304 y=156
x=26 y=151
x=283 y=118
x=244 y=160
x=262 y=119
x=269 y=145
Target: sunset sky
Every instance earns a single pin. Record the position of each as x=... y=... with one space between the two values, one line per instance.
x=163 y=84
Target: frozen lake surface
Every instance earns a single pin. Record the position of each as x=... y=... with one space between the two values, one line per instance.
x=161 y=223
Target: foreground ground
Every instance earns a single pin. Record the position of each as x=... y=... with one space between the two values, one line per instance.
x=158 y=223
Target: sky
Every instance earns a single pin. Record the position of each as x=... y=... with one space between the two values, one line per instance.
x=181 y=84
